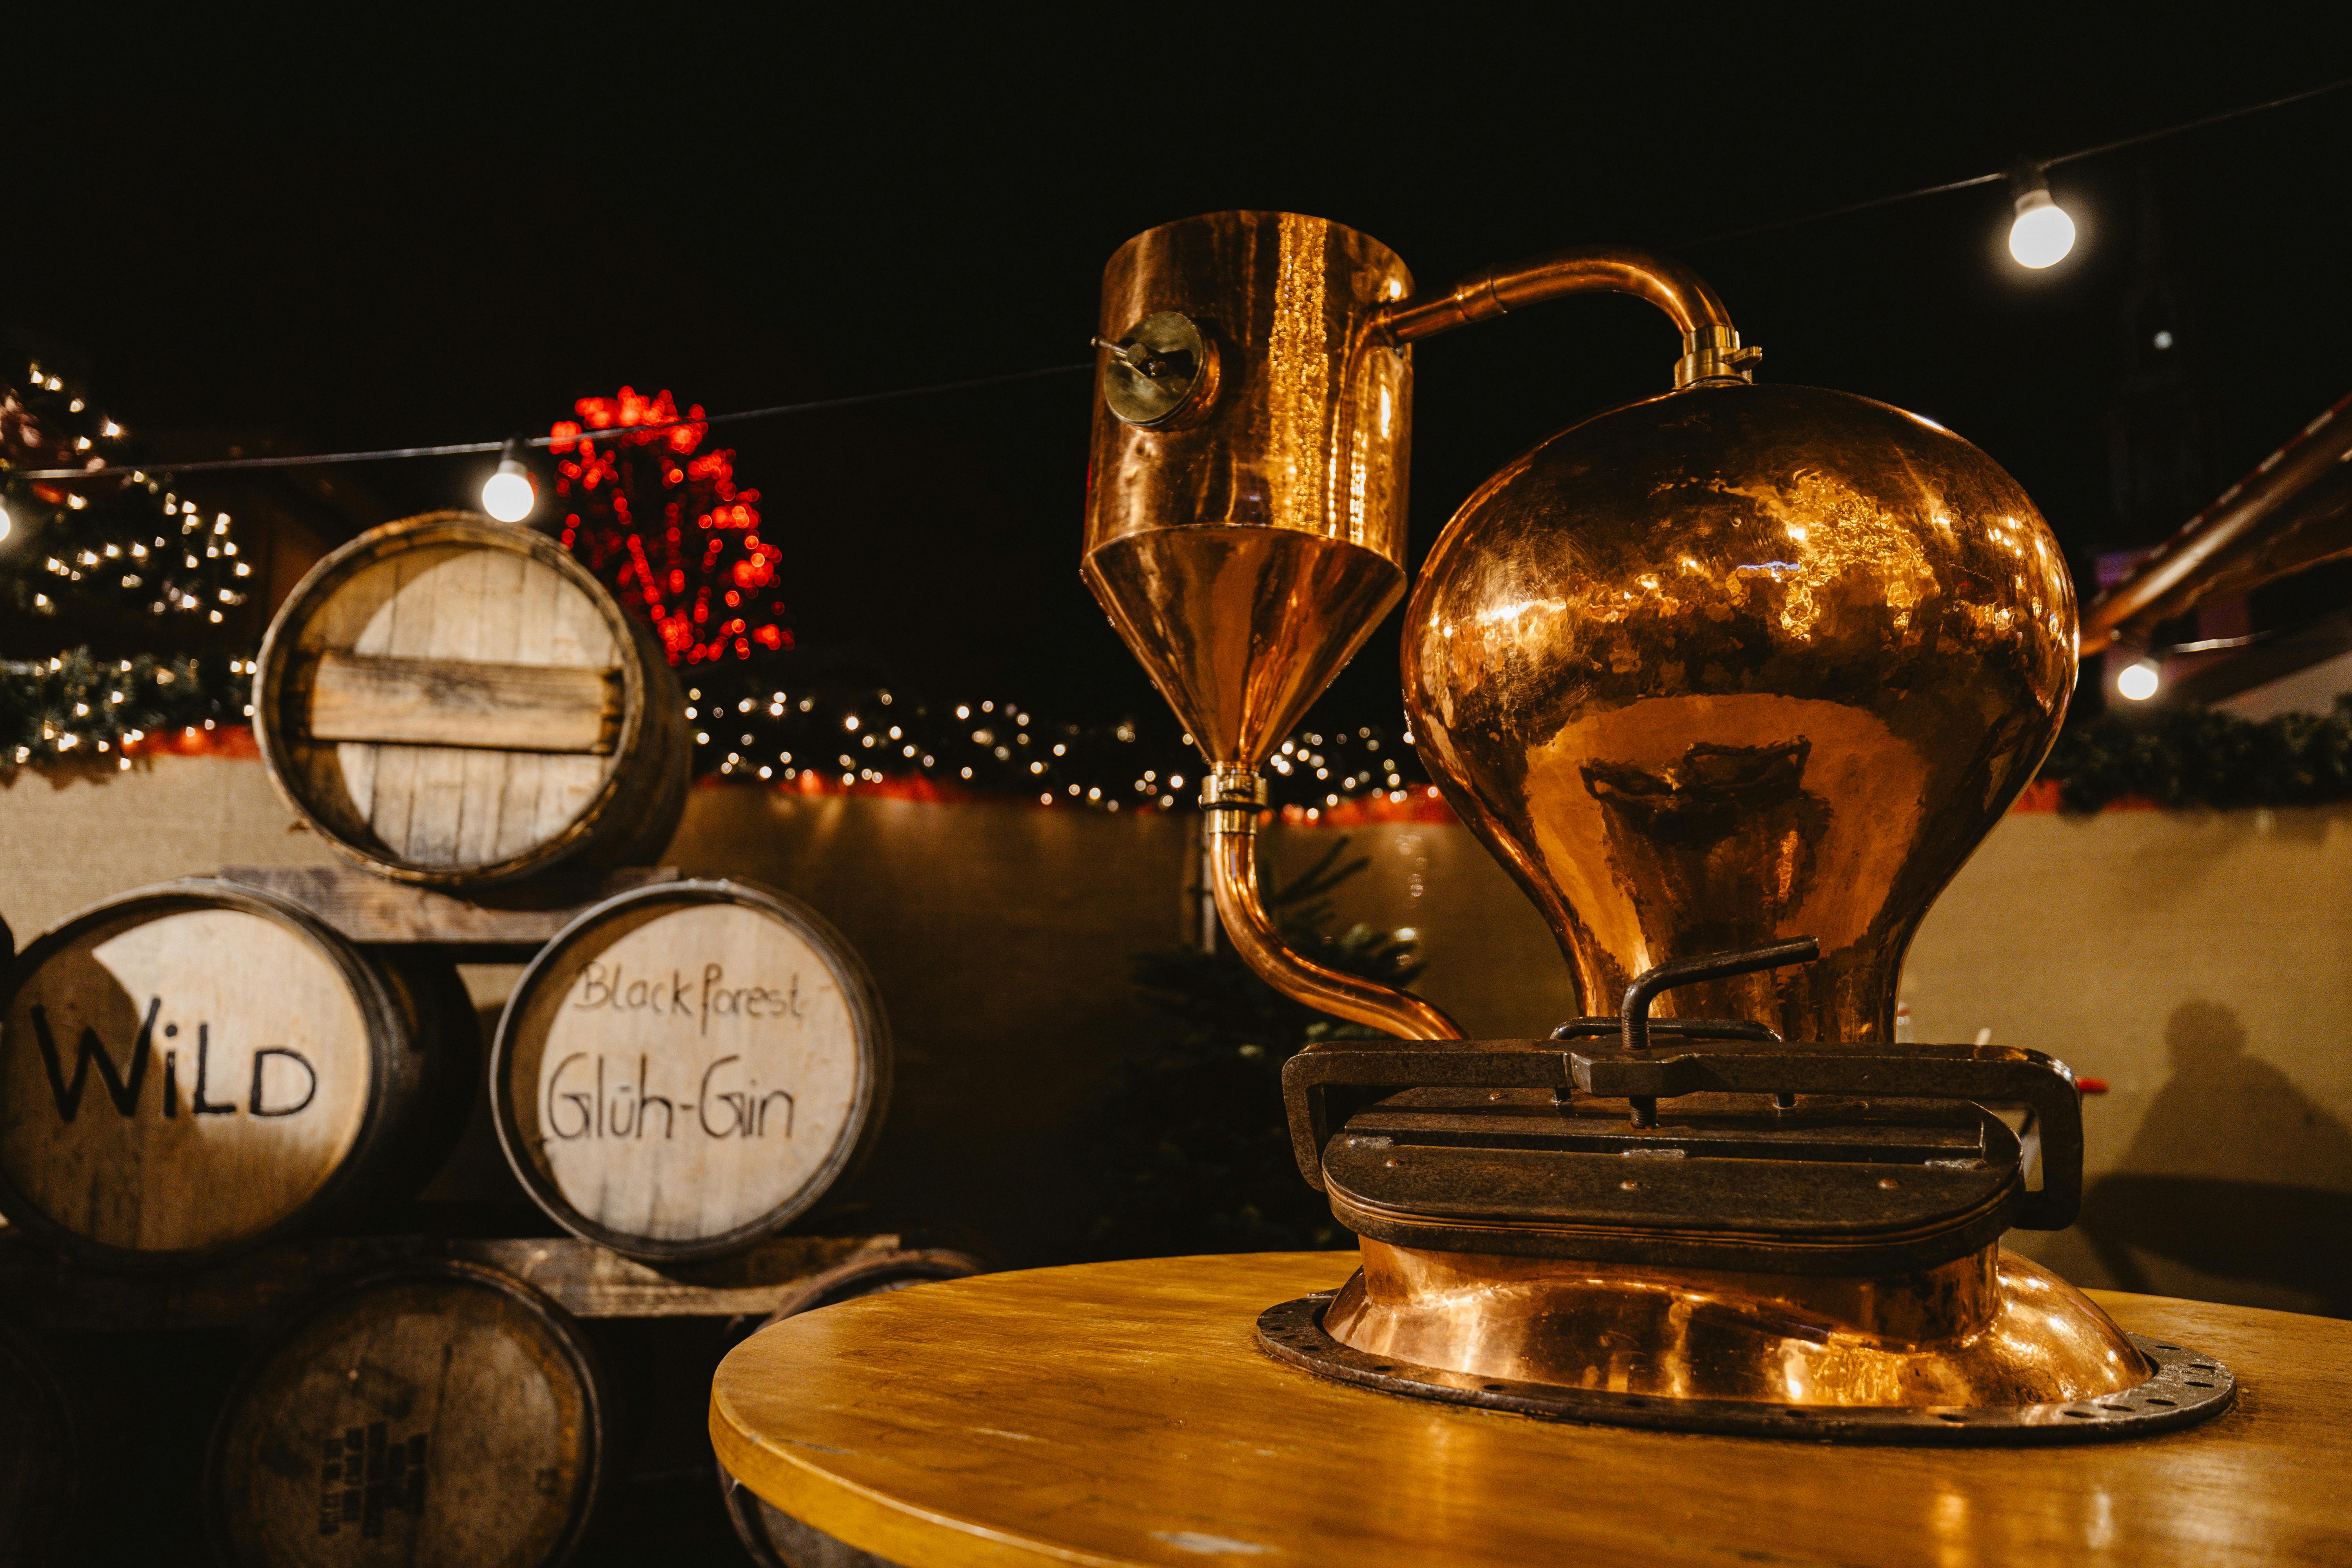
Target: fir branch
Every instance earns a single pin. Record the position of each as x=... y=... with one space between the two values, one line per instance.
x=2183 y=757
x=75 y=706
x=1193 y=1152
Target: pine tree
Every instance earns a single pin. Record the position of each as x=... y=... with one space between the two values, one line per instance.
x=125 y=544
x=662 y=523
x=1193 y=1151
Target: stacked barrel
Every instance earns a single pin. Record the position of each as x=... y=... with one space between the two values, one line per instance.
x=193 y=1071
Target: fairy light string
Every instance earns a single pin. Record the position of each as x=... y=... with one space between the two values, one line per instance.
x=89 y=517
x=74 y=710
x=124 y=539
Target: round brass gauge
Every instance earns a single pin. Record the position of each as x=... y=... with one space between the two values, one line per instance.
x=1162 y=366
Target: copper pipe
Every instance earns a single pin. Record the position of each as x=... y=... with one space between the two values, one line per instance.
x=2167 y=583
x=1234 y=797
x=1711 y=350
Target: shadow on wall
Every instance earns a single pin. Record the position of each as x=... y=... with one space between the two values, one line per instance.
x=2234 y=1173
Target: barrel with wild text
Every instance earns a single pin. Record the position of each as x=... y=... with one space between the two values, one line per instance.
x=198 y=1068
x=446 y=1414
x=688 y=1067
x=453 y=702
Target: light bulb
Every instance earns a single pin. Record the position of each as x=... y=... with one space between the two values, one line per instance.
x=509 y=494
x=2043 y=234
x=5 y=523
x=2139 y=681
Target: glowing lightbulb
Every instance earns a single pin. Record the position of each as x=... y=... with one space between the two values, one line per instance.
x=2043 y=233
x=5 y=523
x=2139 y=681
x=509 y=494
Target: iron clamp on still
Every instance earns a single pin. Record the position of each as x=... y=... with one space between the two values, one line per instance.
x=1731 y=680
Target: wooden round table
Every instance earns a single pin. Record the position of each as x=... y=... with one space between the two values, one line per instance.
x=1122 y=1413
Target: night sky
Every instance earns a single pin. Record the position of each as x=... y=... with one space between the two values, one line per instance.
x=363 y=241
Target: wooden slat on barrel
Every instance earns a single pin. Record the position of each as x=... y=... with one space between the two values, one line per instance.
x=537 y=595
x=401 y=625
x=507 y=922
x=454 y=702
x=564 y=785
x=584 y=1279
x=485 y=776
x=451 y=1417
x=688 y=1067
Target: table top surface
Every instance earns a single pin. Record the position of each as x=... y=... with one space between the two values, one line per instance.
x=1122 y=1413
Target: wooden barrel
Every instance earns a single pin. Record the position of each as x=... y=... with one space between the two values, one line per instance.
x=447 y=1415
x=39 y=1477
x=450 y=701
x=195 y=1069
x=688 y=1067
x=775 y=1538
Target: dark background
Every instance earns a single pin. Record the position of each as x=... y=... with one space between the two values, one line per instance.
x=355 y=236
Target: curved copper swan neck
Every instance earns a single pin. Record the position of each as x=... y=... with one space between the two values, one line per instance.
x=1711 y=349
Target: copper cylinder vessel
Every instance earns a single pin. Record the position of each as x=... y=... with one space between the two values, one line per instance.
x=1720 y=668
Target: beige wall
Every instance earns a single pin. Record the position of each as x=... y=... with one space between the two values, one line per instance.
x=2201 y=963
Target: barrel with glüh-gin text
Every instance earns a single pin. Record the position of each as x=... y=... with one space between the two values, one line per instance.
x=688 y=1067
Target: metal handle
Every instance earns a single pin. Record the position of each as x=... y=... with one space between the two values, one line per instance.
x=1634 y=1011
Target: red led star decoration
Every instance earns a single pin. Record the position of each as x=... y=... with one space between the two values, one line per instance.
x=664 y=525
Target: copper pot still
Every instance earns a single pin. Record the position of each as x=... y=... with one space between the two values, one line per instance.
x=1734 y=665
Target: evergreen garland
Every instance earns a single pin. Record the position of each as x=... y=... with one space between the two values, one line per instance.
x=1193 y=1154
x=2181 y=756
x=130 y=544
x=76 y=708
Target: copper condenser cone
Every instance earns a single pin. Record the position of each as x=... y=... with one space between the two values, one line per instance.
x=1245 y=522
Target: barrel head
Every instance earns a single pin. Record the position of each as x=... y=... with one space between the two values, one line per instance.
x=688 y=1067
x=453 y=702
x=446 y=1417
x=183 y=1072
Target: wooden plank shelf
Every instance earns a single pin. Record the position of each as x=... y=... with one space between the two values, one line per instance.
x=41 y=1290
x=487 y=923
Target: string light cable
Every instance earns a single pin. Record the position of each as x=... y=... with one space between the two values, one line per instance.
x=2039 y=164
x=2035 y=214
x=468 y=448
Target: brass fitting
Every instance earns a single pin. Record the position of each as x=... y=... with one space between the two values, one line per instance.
x=1712 y=353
